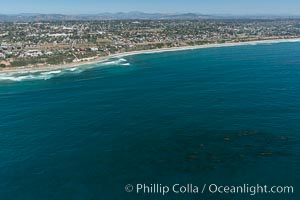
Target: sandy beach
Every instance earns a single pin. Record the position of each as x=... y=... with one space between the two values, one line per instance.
x=43 y=68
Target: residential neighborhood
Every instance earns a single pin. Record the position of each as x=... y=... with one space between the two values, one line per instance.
x=33 y=43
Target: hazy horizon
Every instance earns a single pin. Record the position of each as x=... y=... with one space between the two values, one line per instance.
x=213 y=7
x=144 y=12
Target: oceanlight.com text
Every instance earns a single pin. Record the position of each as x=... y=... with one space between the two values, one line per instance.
x=247 y=189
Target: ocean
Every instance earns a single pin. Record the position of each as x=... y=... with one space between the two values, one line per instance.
x=225 y=116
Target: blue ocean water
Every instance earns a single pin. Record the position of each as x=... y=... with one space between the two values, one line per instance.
x=228 y=116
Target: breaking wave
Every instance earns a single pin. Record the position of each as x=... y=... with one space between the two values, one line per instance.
x=73 y=69
x=28 y=76
x=45 y=75
x=118 y=61
x=51 y=72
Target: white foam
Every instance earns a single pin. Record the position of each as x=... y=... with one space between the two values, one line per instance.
x=115 y=62
x=122 y=60
x=109 y=63
x=25 y=77
x=125 y=64
x=51 y=72
x=72 y=69
x=28 y=76
x=13 y=78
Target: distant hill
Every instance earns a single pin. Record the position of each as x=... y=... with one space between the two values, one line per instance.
x=31 y=17
x=36 y=17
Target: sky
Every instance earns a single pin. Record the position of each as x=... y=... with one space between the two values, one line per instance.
x=234 y=7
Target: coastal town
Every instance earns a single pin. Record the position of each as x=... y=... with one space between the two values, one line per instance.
x=61 y=42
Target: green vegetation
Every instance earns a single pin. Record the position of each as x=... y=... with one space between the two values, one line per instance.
x=60 y=42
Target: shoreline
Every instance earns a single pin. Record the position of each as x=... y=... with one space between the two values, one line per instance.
x=44 y=68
